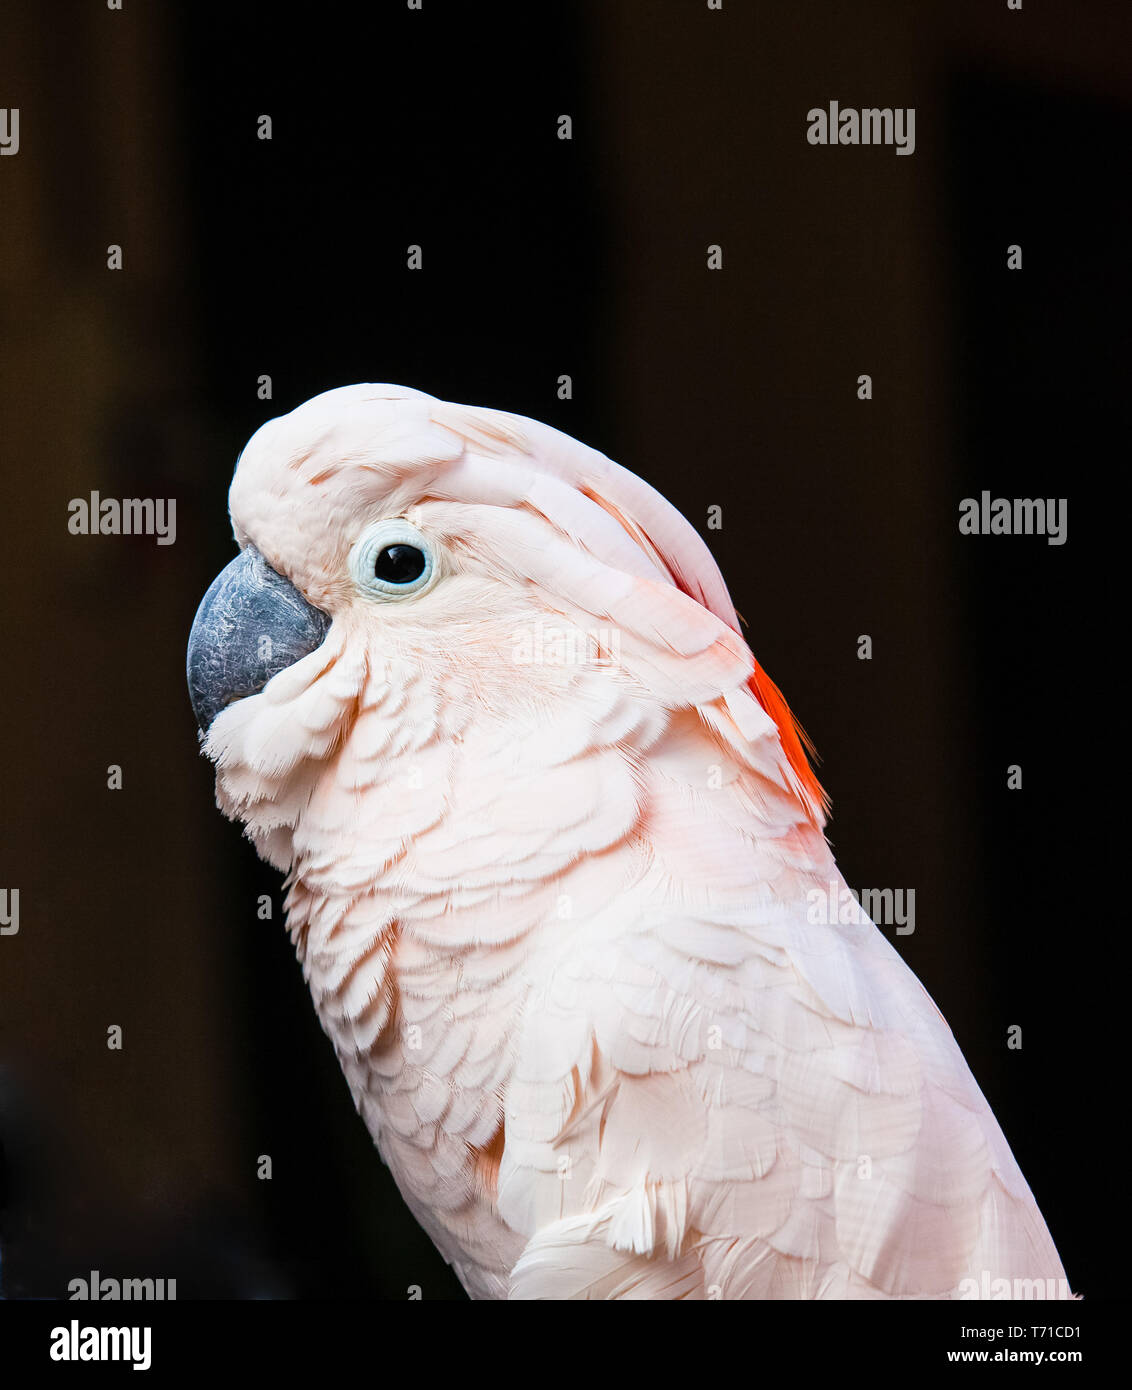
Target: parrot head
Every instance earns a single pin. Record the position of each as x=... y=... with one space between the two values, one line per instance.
x=415 y=574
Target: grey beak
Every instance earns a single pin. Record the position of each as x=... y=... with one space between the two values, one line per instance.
x=251 y=624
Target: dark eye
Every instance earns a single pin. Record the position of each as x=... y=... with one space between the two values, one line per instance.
x=399 y=564
x=392 y=559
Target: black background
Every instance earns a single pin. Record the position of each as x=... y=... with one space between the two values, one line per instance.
x=735 y=388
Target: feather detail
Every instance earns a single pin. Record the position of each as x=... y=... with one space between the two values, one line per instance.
x=796 y=742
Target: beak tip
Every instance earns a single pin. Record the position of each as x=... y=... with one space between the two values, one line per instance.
x=251 y=624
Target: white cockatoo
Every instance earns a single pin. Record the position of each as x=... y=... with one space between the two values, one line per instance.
x=553 y=849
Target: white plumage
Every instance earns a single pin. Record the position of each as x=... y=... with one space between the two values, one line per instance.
x=549 y=844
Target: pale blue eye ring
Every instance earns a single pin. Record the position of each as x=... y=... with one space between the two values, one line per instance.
x=393 y=559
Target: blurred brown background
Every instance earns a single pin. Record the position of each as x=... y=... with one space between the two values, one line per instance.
x=734 y=388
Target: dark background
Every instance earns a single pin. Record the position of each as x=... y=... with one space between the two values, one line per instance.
x=734 y=388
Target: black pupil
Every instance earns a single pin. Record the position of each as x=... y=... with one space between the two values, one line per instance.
x=399 y=564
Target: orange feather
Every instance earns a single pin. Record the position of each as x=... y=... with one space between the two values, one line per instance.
x=796 y=743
